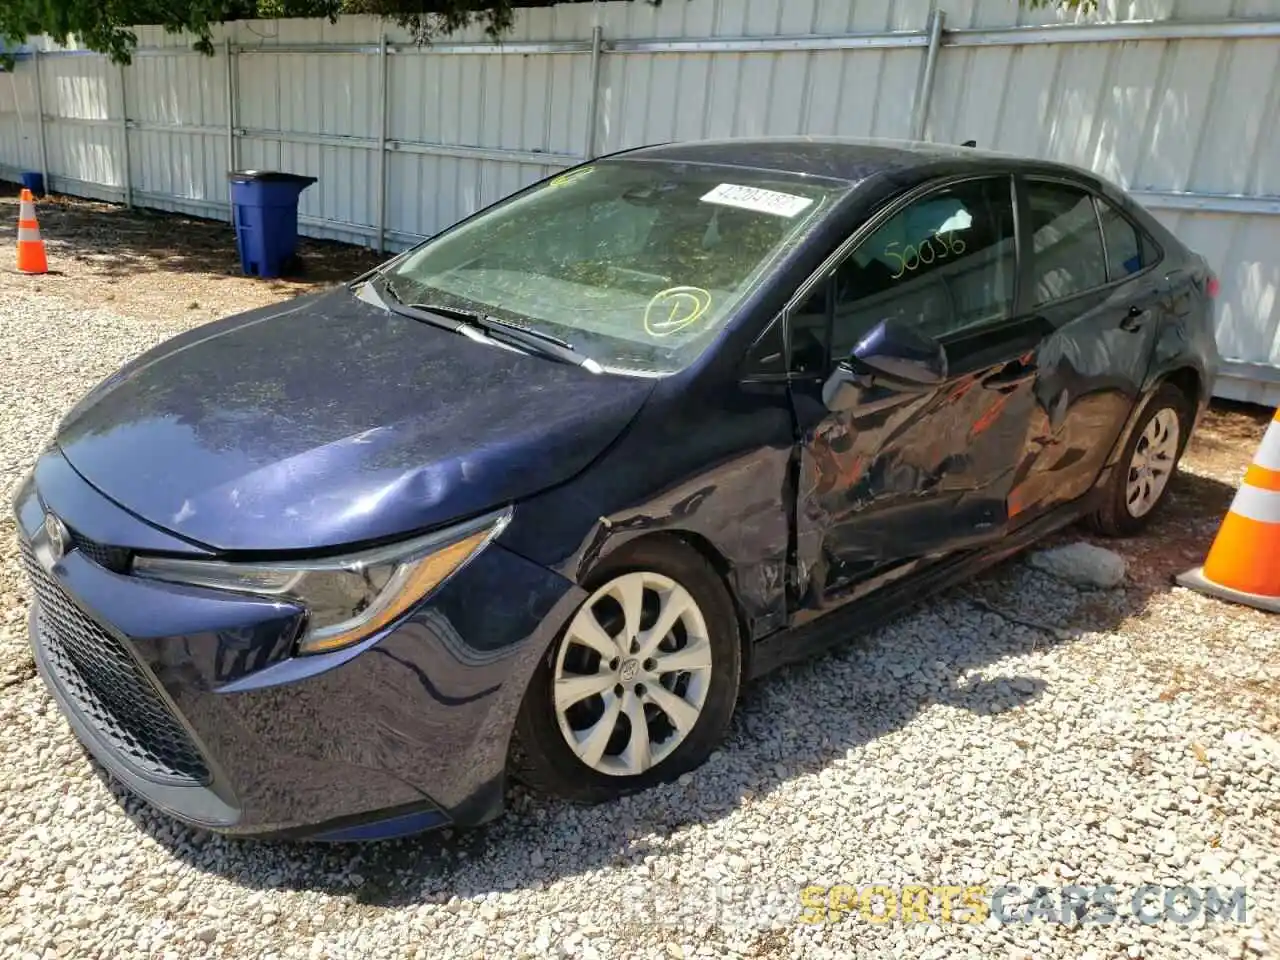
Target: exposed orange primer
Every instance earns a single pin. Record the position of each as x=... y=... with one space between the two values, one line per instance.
x=989 y=416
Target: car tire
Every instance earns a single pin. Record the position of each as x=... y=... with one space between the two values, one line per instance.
x=1146 y=467
x=607 y=760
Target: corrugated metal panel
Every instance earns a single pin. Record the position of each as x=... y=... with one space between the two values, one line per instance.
x=19 y=126
x=1006 y=13
x=83 y=142
x=466 y=125
x=536 y=104
x=648 y=97
x=179 y=105
x=325 y=96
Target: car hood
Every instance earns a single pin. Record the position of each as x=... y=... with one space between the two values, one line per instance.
x=328 y=420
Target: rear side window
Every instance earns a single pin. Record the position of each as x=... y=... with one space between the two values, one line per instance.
x=1066 y=242
x=1124 y=243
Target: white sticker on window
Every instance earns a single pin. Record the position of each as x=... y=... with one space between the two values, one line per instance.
x=757 y=199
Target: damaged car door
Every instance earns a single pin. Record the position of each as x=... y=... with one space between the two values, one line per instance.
x=913 y=390
x=1091 y=277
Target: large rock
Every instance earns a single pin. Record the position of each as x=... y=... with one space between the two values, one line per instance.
x=1081 y=564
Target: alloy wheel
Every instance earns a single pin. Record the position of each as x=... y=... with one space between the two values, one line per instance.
x=632 y=673
x=1153 y=461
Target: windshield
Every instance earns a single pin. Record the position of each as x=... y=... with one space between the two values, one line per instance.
x=636 y=264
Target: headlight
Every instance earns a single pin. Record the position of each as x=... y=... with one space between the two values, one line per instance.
x=349 y=597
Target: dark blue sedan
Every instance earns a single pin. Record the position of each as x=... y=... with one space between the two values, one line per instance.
x=539 y=495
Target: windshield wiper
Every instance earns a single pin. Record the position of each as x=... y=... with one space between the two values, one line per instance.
x=390 y=300
x=537 y=340
x=478 y=325
x=499 y=329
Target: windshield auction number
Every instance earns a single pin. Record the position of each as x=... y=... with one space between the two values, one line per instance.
x=913 y=256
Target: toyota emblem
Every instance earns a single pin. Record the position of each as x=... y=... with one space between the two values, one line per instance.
x=57 y=535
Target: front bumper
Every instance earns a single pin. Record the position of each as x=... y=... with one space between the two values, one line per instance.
x=192 y=699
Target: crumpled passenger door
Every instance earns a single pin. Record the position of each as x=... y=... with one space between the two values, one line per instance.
x=907 y=471
x=911 y=472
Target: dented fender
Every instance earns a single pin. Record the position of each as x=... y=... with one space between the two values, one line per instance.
x=713 y=474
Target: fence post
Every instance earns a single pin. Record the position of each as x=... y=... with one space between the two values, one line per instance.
x=44 y=150
x=380 y=240
x=921 y=117
x=124 y=136
x=593 y=96
x=231 y=124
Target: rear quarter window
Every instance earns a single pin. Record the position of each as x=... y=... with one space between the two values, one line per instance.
x=1127 y=254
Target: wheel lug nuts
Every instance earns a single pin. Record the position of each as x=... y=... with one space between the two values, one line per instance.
x=617 y=690
x=650 y=664
x=613 y=664
x=639 y=689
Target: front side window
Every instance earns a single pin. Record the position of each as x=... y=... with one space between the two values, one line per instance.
x=944 y=264
x=1066 y=242
x=637 y=264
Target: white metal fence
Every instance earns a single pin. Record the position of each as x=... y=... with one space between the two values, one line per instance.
x=1179 y=100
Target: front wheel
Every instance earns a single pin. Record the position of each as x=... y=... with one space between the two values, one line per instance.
x=1141 y=478
x=641 y=685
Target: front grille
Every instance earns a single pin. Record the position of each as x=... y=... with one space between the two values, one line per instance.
x=115 y=559
x=109 y=687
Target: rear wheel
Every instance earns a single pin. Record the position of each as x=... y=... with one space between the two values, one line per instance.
x=1141 y=480
x=641 y=685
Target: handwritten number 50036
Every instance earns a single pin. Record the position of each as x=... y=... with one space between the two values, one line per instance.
x=938 y=247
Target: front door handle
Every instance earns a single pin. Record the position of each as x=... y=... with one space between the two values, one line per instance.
x=1134 y=320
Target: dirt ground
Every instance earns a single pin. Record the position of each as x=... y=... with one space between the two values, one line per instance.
x=1178 y=539
x=149 y=264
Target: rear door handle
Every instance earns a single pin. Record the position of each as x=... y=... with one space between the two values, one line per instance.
x=1134 y=320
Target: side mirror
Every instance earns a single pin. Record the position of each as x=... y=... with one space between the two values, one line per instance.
x=900 y=351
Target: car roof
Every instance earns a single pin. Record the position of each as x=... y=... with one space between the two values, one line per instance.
x=838 y=158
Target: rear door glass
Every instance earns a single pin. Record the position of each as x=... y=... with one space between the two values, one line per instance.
x=1066 y=242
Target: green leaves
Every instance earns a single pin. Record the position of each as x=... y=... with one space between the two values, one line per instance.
x=432 y=19
x=104 y=25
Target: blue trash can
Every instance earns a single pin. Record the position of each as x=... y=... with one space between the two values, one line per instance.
x=33 y=181
x=264 y=207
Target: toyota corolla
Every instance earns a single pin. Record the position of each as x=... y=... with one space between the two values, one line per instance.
x=537 y=496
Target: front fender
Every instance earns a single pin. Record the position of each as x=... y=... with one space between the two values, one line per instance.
x=713 y=473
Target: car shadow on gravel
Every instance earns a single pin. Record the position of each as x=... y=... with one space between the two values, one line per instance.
x=795 y=723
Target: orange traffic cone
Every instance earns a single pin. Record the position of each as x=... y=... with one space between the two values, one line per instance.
x=31 y=258
x=1244 y=562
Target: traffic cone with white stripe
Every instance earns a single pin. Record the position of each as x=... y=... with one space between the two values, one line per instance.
x=31 y=258
x=1244 y=562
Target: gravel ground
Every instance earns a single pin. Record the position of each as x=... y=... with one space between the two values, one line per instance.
x=1015 y=731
